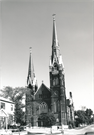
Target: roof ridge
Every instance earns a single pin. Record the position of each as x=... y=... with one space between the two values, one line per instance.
x=41 y=86
x=46 y=86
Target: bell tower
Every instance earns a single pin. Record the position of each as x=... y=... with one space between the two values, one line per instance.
x=30 y=94
x=57 y=81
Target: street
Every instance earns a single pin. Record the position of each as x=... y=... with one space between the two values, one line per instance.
x=81 y=131
x=89 y=130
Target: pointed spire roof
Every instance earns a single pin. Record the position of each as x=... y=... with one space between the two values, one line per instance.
x=54 y=39
x=31 y=73
x=55 y=43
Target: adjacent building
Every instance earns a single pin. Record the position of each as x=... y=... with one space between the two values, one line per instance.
x=6 y=112
x=43 y=99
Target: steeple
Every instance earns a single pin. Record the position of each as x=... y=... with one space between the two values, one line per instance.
x=55 y=43
x=31 y=79
x=54 y=39
x=56 y=57
x=57 y=81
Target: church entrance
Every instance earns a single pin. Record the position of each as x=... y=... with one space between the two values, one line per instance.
x=39 y=123
x=42 y=120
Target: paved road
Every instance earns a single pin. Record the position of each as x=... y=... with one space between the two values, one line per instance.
x=81 y=131
x=20 y=133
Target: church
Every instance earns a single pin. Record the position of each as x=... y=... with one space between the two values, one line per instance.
x=44 y=100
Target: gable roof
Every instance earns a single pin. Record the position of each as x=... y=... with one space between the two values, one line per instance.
x=6 y=100
x=42 y=87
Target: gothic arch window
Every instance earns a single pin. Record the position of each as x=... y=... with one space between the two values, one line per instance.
x=55 y=81
x=56 y=106
x=43 y=108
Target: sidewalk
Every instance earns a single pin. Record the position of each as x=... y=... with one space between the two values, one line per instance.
x=4 y=132
x=47 y=131
x=20 y=133
x=8 y=132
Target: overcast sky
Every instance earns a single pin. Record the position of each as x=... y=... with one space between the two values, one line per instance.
x=29 y=23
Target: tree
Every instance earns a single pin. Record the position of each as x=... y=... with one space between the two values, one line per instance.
x=83 y=117
x=13 y=93
x=80 y=117
x=9 y=92
x=19 y=114
x=51 y=119
x=47 y=119
x=16 y=95
x=89 y=114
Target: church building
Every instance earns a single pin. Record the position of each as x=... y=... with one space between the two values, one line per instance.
x=44 y=100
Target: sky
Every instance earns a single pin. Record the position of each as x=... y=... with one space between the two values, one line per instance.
x=29 y=23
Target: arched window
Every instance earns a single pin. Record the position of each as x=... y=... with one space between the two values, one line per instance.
x=55 y=81
x=43 y=108
x=56 y=106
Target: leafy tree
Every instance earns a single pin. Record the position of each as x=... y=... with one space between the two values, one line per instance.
x=47 y=119
x=83 y=117
x=19 y=114
x=79 y=117
x=89 y=113
x=10 y=119
x=16 y=95
x=13 y=93
x=51 y=119
x=9 y=92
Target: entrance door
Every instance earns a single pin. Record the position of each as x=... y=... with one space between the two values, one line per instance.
x=39 y=122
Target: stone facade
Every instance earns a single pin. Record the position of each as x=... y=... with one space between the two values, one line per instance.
x=49 y=100
x=37 y=104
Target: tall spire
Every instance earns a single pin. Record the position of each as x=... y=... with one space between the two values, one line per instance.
x=55 y=44
x=54 y=39
x=31 y=74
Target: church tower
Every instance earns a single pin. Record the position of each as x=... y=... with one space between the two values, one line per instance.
x=57 y=81
x=31 y=89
